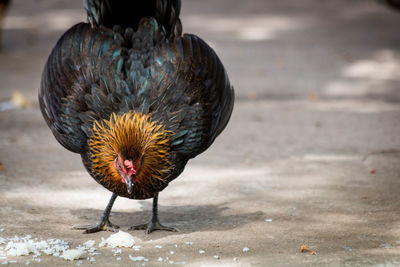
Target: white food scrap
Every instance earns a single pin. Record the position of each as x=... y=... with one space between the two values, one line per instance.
x=120 y=239
x=72 y=254
x=138 y=258
x=89 y=243
x=117 y=251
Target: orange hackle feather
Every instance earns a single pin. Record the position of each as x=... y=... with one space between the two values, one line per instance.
x=130 y=132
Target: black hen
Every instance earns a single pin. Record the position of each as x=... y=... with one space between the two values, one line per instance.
x=134 y=97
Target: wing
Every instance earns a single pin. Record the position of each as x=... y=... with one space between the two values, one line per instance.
x=193 y=97
x=80 y=74
x=91 y=73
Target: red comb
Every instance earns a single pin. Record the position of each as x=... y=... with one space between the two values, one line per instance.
x=128 y=164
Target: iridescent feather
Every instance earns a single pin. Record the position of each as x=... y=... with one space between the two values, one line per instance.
x=129 y=78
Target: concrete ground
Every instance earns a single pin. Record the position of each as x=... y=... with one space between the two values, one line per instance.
x=311 y=155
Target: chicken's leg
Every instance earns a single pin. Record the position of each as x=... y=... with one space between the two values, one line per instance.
x=154 y=224
x=104 y=224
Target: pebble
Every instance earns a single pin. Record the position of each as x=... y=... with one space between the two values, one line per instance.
x=347 y=248
x=385 y=245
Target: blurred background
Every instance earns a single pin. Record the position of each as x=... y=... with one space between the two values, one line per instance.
x=271 y=49
x=313 y=144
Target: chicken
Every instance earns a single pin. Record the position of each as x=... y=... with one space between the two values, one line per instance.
x=135 y=98
x=4 y=4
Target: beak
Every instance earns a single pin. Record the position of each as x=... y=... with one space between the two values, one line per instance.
x=129 y=180
x=129 y=186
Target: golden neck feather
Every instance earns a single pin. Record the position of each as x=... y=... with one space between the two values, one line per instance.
x=130 y=132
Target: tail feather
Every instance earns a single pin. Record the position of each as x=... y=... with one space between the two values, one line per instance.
x=126 y=14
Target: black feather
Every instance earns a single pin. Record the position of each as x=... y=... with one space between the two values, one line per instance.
x=132 y=56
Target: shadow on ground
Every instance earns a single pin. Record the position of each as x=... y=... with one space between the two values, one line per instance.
x=186 y=218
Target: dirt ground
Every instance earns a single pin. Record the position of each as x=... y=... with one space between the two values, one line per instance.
x=311 y=155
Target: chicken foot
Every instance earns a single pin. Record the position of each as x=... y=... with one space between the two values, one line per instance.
x=104 y=224
x=154 y=223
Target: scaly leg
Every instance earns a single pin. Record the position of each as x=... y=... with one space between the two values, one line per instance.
x=104 y=224
x=154 y=224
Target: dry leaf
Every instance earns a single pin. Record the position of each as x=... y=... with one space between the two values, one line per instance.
x=304 y=248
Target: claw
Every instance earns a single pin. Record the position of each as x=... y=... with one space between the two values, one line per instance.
x=152 y=226
x=105 y=225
